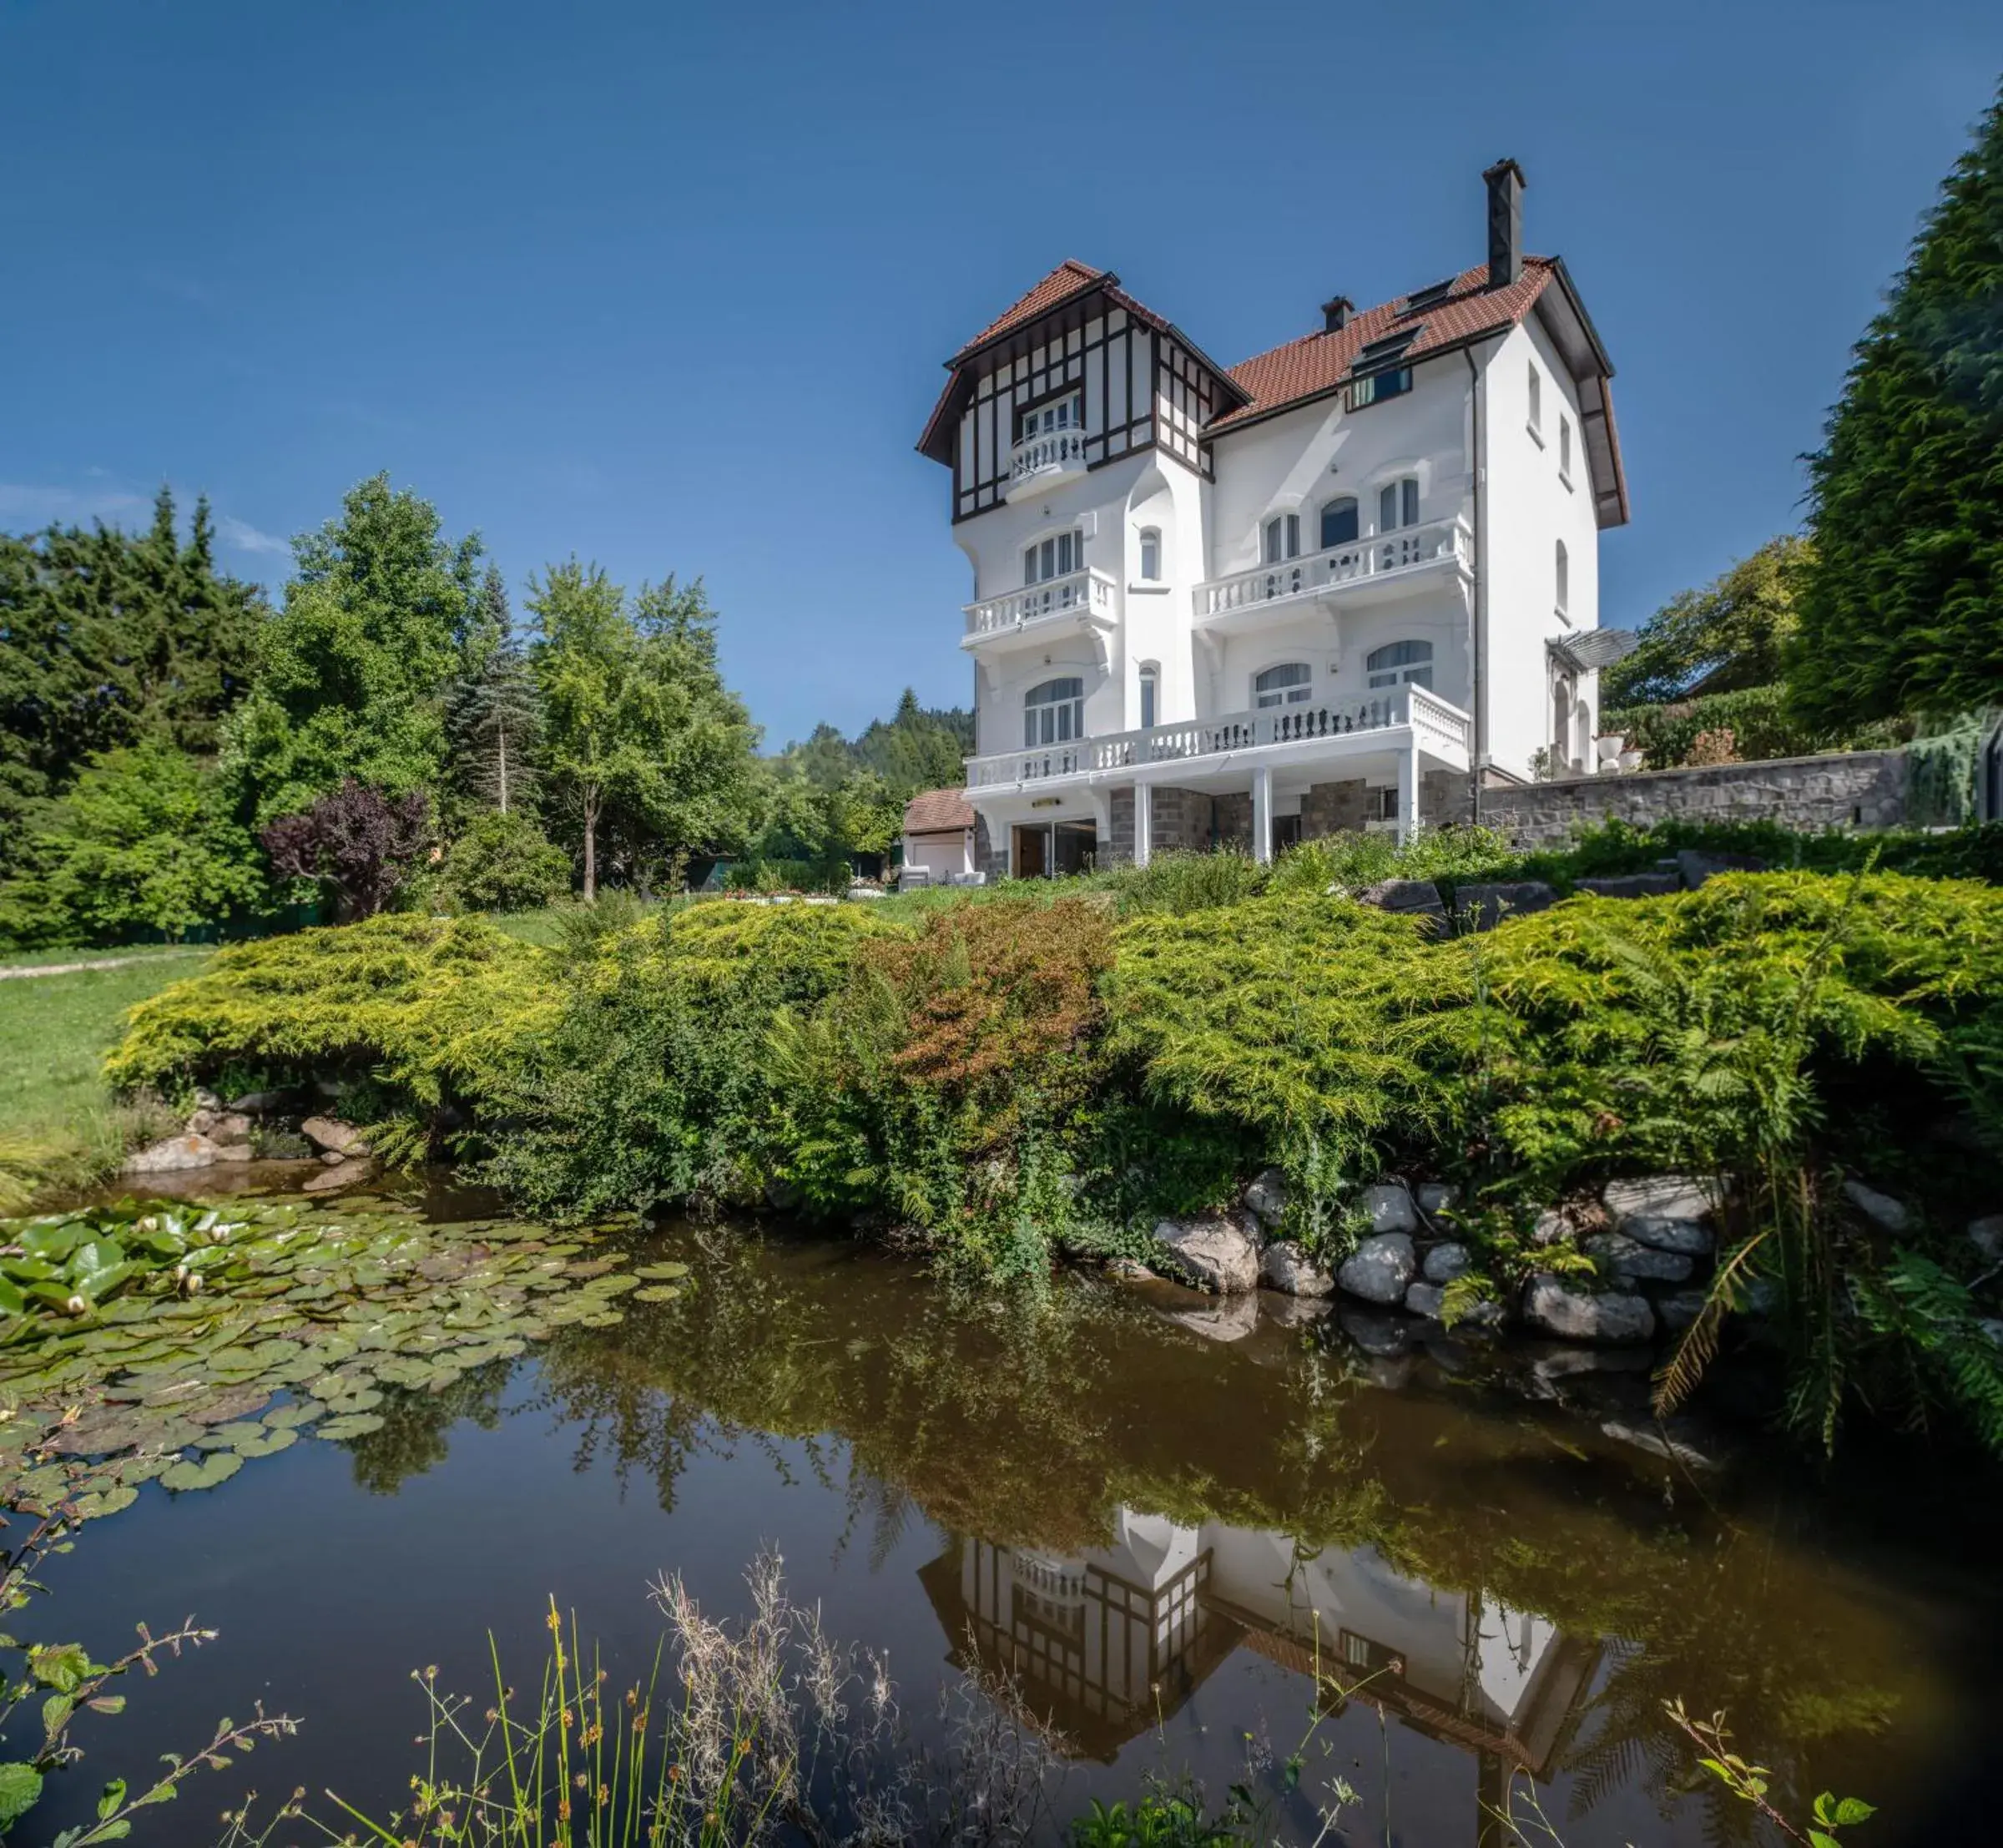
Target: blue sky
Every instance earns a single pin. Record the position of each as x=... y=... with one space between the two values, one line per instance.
x=669 y=285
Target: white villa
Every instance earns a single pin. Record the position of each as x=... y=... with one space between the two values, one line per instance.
x=1346 y=584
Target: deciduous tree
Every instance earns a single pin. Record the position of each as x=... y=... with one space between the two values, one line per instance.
x=353 y=670
x=359 y=841
x=637 y=718
x=1728 y=636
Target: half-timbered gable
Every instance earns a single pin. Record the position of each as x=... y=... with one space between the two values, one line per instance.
x=1077 y=375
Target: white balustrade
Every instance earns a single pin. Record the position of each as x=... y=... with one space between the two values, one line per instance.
x=1444 y=729
x=1409 y=548
x=1092 y=594
x=1050 y=453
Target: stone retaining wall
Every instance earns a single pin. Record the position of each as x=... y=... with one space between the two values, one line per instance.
x=1860 y=789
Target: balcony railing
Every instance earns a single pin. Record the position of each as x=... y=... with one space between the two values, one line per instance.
x=1443 y=729
x=1050 y=452
x=1091 y=593
x=1409 y=548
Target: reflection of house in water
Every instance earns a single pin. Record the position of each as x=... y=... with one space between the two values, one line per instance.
x=1103 y=1640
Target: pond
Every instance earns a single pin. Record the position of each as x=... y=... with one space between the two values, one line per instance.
x=1186 y=1532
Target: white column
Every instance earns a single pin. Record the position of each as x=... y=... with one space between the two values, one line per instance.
x=1144 y=823
x=1407 y=793
x=1262 y=814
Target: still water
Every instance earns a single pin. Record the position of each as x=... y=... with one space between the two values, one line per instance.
x=1187 y=1533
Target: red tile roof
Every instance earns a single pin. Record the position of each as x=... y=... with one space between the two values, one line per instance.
x=1317 y=363
x=937 y=811
x=1067 y=279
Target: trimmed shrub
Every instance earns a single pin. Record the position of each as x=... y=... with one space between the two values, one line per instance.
x=503 y=863
x=424 y=1011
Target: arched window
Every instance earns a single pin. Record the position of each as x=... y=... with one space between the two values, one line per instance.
x=1151 y=685
x=1397 y=504
x=1054 y=712
x=1399 y=663
x=1151 y=555
x=1537 y=400
x=1282 y=538
x=1289 y=684
x=1056 y=557
x=1338 y=525
x=1564 y=579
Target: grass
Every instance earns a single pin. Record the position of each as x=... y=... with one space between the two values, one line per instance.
x=41 y=959
x=59 y=1124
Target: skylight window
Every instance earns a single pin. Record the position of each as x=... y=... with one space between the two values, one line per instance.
x=1433 y=292
x=1389 y=346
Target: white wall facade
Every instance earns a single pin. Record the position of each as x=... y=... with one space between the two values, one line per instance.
x=1531 y=507
x=1493 y=496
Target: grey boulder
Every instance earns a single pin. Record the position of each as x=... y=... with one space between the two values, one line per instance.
x=1613 y=1317
x=1676 y=1309
x=1266 y=1198
x=1434 y=1196
x=171 y=1156
x=1218 y=1250
x=1628 y=1258
x=1986 y=1235
x=1289 y=1270
x=1694 y=868
x=333 y=1136
x=1390 y=1207
x=1660 y=1197
x=1691 y=1237
x=1482 y=907
x=1641 y=885
x=1380 y=1269
x=1445 y=1262
x=1881 y=1210
x=1423 y=1299
x=1407 y=898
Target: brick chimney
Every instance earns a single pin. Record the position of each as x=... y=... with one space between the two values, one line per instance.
x=1506 y=185
x=1336 y=314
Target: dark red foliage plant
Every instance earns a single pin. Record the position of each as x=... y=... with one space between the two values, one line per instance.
x=357 y=840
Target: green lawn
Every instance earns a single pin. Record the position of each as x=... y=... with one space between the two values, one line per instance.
x=55 y=1115
x=38 y=959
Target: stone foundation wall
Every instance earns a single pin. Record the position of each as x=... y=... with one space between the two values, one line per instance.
x=1861 y=789
x=990 y=857
x=1334 y=808
x=1444 y=797
x=1232 y=817
x=1180 y=819
x=1118 y=848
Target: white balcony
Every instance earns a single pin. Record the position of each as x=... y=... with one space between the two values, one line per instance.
x=1390 y=563
x=1041 y=462
x=1399 y=717
x=1088 y=600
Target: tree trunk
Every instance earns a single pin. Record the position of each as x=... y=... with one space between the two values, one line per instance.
x=590 y=848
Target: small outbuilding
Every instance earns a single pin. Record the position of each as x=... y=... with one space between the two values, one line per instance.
x=938 y=838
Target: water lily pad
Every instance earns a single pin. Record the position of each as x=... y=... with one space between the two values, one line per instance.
x=109 y=1500
x=213 y=1469
x=657 y=1292
x=267 y=1443
x=234 y=1402
x=359 y=1425
x=301 y=1411
x=663 y=1272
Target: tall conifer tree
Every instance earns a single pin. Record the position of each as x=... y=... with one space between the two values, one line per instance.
x=1903 y=611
